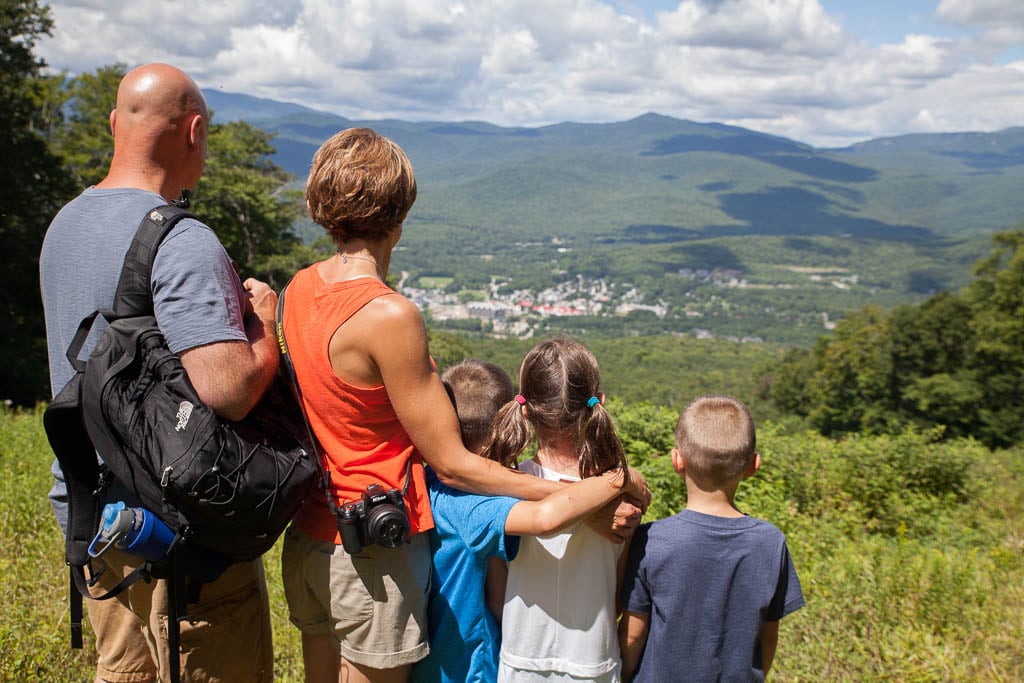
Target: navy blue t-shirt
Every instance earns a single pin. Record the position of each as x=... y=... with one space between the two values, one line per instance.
x=709 y=584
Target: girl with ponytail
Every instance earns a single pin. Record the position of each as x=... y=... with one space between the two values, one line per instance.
x=558 y=621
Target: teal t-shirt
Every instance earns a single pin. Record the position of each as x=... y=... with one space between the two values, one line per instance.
x=464 y=637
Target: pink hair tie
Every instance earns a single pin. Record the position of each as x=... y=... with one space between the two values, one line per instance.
x=520 y=399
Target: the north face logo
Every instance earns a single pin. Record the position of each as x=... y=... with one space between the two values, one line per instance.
x=184 y=412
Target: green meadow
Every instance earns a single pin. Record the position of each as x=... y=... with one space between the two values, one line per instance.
x=910 y=551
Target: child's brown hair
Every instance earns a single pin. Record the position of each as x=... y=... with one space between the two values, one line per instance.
x=478 y=389
x=559 y=386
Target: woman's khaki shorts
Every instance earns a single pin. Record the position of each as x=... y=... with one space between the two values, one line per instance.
x=373 y=602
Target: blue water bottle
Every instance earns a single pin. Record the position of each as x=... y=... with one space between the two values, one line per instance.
x=134 y=530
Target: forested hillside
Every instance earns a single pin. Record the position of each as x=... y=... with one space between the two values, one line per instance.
x=703 y=229
x=955 y=362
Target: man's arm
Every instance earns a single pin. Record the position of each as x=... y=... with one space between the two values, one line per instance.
x=231 y=376
x=633 y=629
x=769 y=644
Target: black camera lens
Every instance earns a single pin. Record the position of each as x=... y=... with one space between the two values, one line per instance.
x=387 y=525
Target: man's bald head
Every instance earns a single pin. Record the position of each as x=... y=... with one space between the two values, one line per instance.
x=160 y=91
x=160 y=123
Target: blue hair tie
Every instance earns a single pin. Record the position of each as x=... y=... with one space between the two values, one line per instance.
x=593 y=401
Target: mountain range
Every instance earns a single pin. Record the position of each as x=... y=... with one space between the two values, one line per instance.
x=656 y=194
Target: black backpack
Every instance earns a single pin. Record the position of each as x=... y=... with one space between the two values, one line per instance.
x=226 y=489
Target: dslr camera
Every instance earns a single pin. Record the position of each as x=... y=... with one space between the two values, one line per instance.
x=377 y=517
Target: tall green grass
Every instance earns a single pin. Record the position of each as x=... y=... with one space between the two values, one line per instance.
x=34 y=620
x=910 y=551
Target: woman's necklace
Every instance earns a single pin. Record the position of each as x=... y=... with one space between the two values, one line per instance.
x=345 y=257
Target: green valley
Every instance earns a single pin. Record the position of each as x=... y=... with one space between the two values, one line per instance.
x=658 y=225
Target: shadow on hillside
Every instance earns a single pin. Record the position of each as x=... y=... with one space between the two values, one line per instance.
x=811 y=247
x=782 y=153
x=990 y=161
x=720 y=186
x=795 y=212
x=653 y=234
x=708 y=256
x=781 y=211
x=924 y=282
x=848 y=193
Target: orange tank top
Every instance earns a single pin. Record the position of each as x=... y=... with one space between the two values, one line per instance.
x=362 y=440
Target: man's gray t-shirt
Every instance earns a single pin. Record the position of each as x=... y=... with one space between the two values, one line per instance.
x=708 y=583
x=198 y=298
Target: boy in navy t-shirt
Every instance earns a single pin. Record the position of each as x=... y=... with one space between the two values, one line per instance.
x=705 y=589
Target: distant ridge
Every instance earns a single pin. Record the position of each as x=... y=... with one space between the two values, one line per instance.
x=234 y=107
x=656 y=194
x=944 y=184
x=698 y=178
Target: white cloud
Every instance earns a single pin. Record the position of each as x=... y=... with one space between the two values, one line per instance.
x=776 y=26
x=511 y=54
x=781 y=66
x=989 y=13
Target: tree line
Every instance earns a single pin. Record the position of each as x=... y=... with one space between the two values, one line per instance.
x=955 y=361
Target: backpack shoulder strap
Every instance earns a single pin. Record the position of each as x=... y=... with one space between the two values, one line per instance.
x=63 y=420
x=134 y=296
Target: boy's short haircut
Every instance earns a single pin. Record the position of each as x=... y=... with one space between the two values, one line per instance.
x=716 y=436
x=478 y=389
x=361 y=185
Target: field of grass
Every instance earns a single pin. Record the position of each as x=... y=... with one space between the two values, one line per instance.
x=910 y=552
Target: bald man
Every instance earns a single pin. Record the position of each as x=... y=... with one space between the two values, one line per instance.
x=221 y=328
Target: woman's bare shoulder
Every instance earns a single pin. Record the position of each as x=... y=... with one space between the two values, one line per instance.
x=391 y=309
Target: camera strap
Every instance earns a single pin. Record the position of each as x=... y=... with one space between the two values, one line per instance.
x=286 y=360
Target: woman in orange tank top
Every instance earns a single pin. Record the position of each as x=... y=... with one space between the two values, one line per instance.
x=378 y=409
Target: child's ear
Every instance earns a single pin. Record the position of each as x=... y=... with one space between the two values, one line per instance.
x=753 y=467
x=678 y=461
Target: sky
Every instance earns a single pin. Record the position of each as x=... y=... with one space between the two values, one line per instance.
x=825 y=72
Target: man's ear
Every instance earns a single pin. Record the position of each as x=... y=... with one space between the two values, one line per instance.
x=113 y=120
x=753 y=467
x=195 y=130
x=678 y=461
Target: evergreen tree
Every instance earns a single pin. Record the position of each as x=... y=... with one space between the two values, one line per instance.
x=245 y=197
x=933 y=346
x=852 y=389
x=85 y=142
x=997 y=300
x=954 y=362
